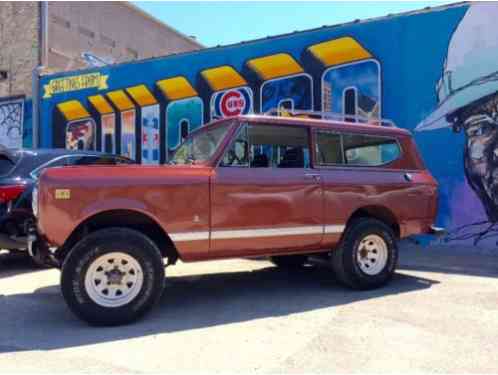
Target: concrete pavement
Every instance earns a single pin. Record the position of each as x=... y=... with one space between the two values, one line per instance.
x=439 y=314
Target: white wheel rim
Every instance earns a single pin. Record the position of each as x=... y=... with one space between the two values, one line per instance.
x=114 y=279
x=372 y=254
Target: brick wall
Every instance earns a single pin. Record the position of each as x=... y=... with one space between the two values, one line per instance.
x=115 y=31
x=19 y=46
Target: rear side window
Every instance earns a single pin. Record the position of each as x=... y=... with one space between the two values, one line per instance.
x=355 y=149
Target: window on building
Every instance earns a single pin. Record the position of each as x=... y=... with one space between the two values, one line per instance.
x=350 y=104
x=184 y=129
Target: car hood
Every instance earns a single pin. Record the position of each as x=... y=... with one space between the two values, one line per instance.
x=121 y=174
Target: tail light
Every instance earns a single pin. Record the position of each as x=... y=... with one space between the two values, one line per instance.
x=10 y=192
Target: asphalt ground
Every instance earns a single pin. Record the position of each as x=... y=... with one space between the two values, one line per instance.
x=439 y=314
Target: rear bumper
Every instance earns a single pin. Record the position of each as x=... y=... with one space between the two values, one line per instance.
x=437 y=231
x=424 y=226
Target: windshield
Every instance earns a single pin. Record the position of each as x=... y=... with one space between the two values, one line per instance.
x=201 y=146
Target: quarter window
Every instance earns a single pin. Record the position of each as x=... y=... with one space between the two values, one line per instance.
x=355 y=149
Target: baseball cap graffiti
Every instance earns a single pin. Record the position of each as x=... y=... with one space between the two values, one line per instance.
x=471 y=65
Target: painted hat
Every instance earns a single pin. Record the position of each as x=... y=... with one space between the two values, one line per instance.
x=471 y=65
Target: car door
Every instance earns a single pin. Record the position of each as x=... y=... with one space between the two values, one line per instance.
x=265 y=198
x=357 y=173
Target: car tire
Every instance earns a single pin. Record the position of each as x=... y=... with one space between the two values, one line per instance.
x=289 y=261
x=367 y=255
x=112 y=276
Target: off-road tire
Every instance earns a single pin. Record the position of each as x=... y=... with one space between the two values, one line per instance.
x=98 y=244
x=344 y=258
x=289 y=261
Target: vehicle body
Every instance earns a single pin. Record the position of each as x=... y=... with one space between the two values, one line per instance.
x=282 y=187
x=19 y=170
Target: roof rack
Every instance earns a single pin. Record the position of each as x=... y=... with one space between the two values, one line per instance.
x=329 y=116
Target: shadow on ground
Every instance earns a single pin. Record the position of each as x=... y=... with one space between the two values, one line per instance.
x=12 y=264
x=447 y=259
x=41 y=320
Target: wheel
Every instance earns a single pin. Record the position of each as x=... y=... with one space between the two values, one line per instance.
x=289 y=261
x=367 y=256
x=112 y=276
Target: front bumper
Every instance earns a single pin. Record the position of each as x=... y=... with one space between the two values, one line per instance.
x=13 y=243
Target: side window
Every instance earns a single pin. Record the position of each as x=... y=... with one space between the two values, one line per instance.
x=369 y=150
x=238 y=153
x=355 y=149
x=268 y=146
x=278 y=146
x=329 y=148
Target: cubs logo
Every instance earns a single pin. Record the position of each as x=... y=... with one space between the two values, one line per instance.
x=231 y=102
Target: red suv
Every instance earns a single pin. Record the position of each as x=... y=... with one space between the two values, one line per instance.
x=282 y=187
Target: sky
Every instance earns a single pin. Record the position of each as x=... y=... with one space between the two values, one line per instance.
x=220 y=23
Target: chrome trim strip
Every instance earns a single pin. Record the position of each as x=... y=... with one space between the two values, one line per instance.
x=189 y=236
x=333 y=229
x=273 y=232
x=255 y=233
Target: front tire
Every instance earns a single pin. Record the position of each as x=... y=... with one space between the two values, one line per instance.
x=112 y=276
x=367 y=256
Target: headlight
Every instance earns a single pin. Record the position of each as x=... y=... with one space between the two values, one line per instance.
x=34 y=201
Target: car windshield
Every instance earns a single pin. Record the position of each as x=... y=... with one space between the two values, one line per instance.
x=200 y=147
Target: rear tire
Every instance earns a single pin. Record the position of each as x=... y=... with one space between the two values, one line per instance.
x=289 y=261
x=112 y=276
x=367 y=256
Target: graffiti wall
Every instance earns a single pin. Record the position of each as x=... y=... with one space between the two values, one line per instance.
x=434 y=72
x=11 y=121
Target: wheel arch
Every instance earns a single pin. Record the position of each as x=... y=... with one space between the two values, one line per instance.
x=380 y=213
x=123 y=218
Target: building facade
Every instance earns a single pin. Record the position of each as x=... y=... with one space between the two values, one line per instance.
x=64 y=36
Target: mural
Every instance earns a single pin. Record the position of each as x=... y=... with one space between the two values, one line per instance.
x=11 y=121
x=357 y=86
x=434 y=72
x=468 y=103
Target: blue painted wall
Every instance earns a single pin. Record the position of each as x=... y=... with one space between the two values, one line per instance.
x=388 y=67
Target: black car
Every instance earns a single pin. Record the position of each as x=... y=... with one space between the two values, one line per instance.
x=19 y=170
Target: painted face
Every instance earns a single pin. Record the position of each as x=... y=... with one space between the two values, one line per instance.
x=479 y=122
